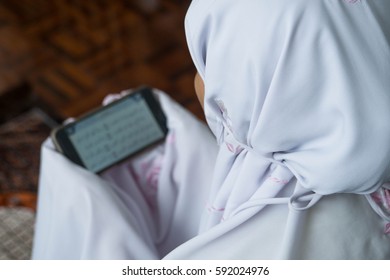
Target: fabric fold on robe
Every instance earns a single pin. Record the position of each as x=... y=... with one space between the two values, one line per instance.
x=140 y=209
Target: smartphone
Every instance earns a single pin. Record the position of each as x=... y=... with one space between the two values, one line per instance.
x=113 y=133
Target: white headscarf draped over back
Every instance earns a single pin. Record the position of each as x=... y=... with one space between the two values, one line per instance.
x=293 y=89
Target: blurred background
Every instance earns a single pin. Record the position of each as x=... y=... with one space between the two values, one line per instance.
x=58 y=59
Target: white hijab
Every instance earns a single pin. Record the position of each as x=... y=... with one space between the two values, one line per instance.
x=293 y=89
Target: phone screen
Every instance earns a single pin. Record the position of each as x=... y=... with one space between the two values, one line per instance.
x=107 y=136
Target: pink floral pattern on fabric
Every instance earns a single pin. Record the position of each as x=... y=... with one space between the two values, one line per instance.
x=212 y=208
x=224 y=114
x=231 y=143
x=278 y=180
x=235 y=149
x=152 y=174
x=146 y=174
x=387 y=228
x=382 y=198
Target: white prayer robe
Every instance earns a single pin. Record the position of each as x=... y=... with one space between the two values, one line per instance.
x=297 y=97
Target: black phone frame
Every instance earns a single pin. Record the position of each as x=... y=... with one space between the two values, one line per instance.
x=65 y=146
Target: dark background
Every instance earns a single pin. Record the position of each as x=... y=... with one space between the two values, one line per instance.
x=64 y=56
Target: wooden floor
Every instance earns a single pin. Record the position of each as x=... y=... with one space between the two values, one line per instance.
x=72 y=53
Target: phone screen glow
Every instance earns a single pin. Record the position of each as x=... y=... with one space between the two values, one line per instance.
x=114 y=133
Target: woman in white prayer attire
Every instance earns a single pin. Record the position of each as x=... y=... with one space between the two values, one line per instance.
x=297 y=96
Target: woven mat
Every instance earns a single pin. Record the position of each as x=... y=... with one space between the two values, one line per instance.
x=16 y=233
x=20 y=141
